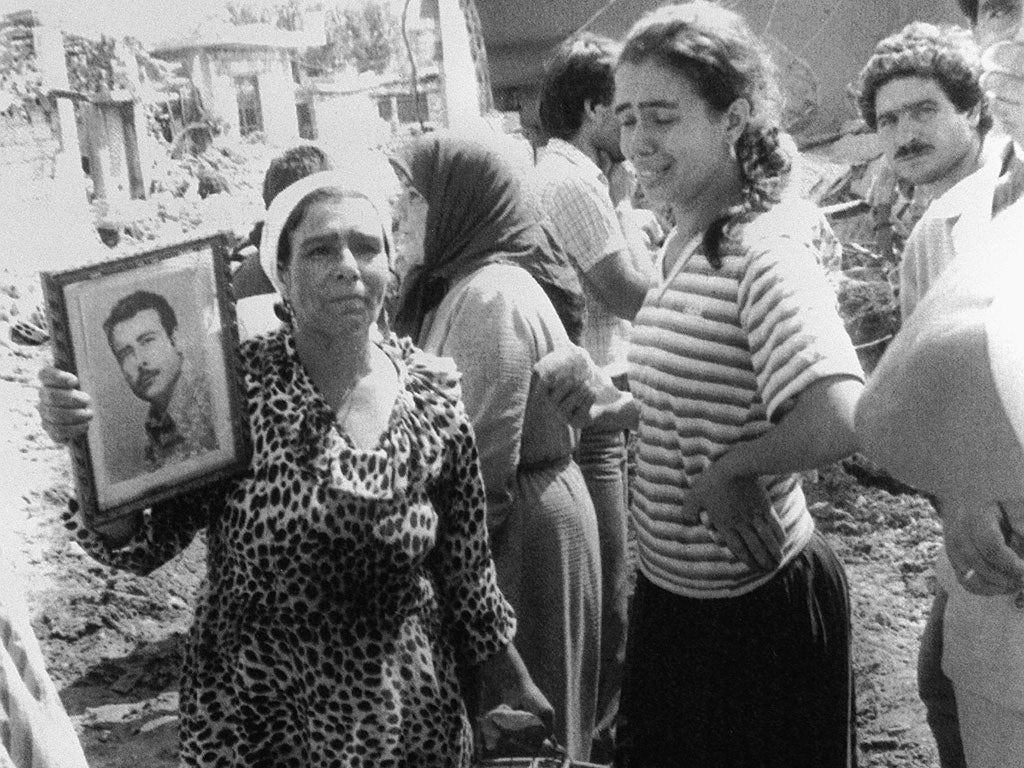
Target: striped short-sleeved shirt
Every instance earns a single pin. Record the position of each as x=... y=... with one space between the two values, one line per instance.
x=716 y=356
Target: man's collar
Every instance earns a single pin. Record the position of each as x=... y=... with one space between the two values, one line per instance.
x=1010 y=187
x=162 y=429
x=974 y=191
x=574 y=155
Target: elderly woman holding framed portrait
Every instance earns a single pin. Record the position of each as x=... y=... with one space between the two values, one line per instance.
x=348 y=569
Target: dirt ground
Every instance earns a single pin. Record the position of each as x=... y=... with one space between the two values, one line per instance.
x=112 y=640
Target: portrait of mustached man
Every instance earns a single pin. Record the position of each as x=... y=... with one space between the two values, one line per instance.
x=142 y=330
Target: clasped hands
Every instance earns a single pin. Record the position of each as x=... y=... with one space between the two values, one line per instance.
x=578 y=388
x=735 y=507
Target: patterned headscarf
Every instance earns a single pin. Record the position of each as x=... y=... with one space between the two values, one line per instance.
x=479 y=213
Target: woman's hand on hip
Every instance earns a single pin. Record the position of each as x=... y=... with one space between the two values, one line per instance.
x=739 y=514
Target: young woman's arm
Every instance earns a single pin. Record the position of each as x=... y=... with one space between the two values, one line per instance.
x=817 y=430
x=808 y=381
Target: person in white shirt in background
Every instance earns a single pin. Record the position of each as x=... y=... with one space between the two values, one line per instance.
x=580 y=183
x=921 y=92
x=945 y=411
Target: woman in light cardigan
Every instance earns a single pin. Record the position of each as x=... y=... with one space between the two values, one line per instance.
x=482 y=269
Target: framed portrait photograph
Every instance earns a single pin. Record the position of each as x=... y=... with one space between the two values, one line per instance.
x=153 y=340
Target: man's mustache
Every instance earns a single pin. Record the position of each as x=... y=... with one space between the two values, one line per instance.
x=911 y=149
x=146 y=377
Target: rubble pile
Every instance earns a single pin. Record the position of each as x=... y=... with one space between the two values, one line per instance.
x=848 y=178
x=218 y=189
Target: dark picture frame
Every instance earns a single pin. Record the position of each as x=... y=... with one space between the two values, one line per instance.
x=168 y=403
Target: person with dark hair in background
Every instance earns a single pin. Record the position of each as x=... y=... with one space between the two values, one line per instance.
x=142 y=330
x=572 y=182
x=921 y=91
x=944 y=412
x=291 y=165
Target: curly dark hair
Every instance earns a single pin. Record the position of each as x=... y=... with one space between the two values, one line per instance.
x=581 y=71
x=946 y=55
x=715 y=50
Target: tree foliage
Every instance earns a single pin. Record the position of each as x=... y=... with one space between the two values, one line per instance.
x=100 y=66
x=284 y=15
x=90 y=63
x=93 y=66
x=366 y=36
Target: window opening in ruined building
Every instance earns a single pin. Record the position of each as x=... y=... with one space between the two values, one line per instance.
x=407 y=112
x=307 y=128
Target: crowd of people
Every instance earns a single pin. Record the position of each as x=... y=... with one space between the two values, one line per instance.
x=439 y=385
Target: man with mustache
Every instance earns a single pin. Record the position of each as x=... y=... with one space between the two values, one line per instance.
x=919 y=93
x=142 y=332
x=922 y=92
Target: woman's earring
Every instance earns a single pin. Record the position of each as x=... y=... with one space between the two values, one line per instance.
x=283 y=310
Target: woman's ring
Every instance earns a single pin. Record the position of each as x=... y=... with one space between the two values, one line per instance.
x=967 y=575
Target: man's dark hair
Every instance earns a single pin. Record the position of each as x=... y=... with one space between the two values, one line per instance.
x=946 y=55
x=970 y=9
x=581 y=71
x=129 y=306
x=290 y=166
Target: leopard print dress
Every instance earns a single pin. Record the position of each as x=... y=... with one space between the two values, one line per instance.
x=342 y=584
